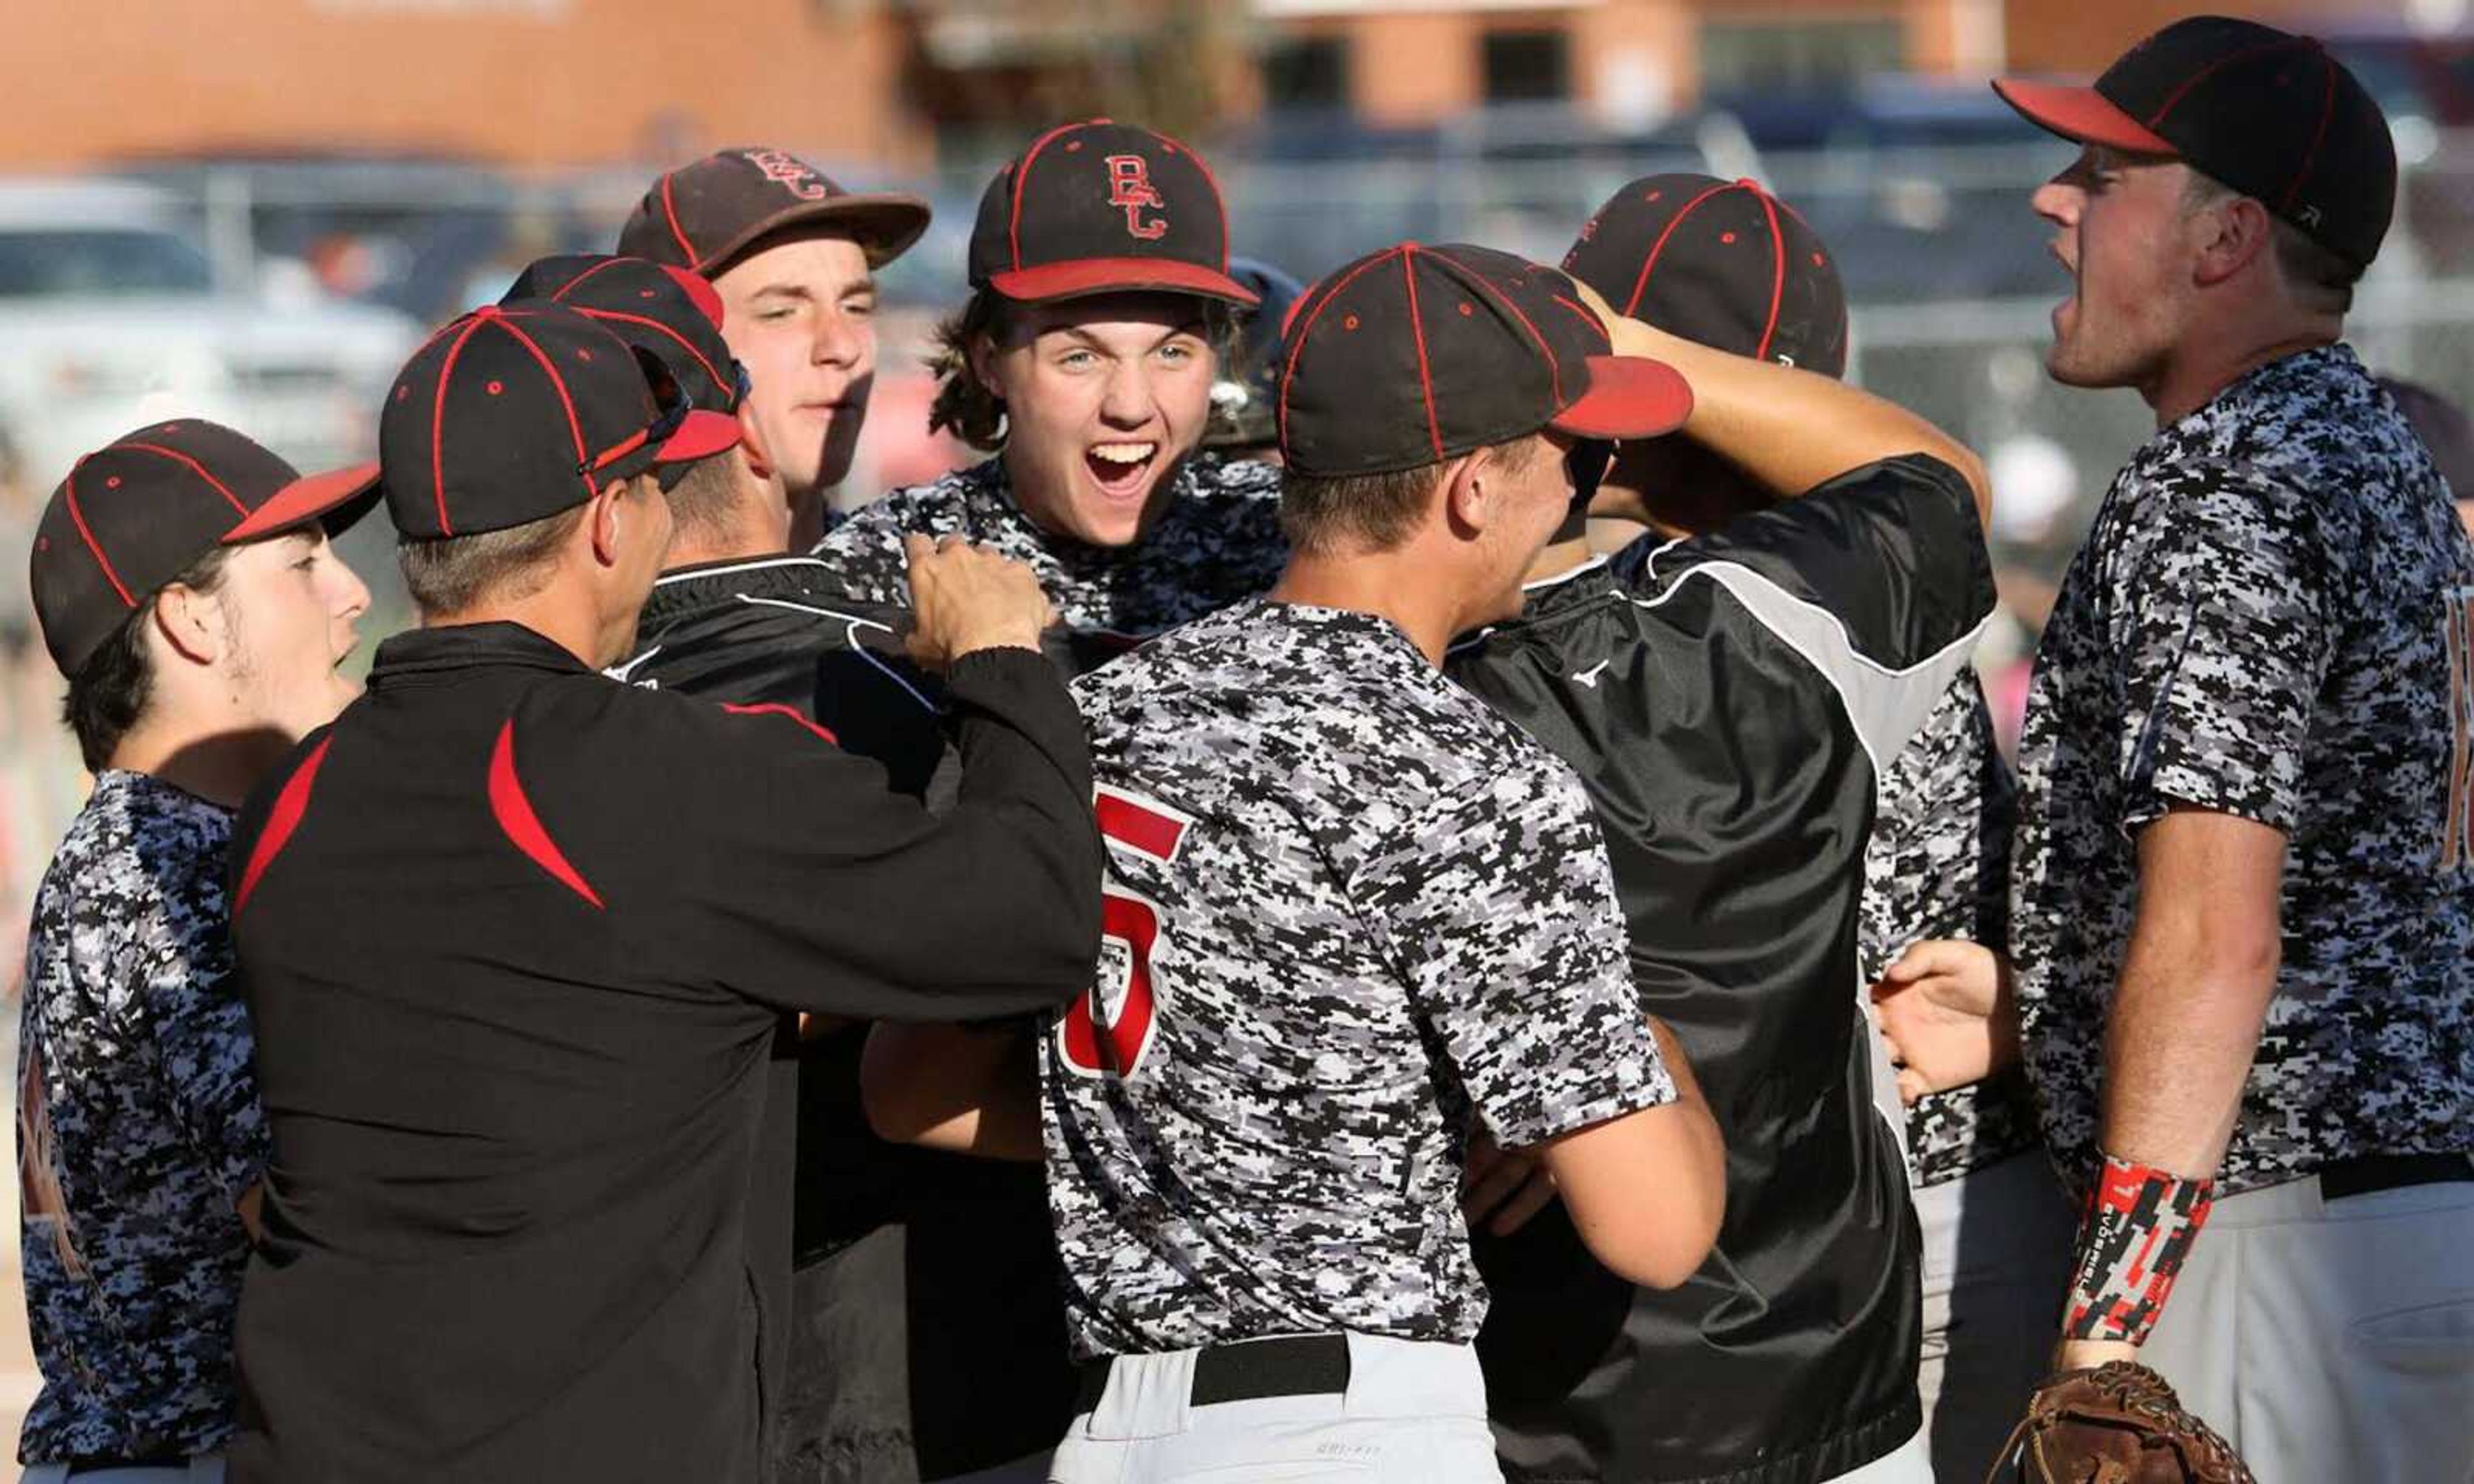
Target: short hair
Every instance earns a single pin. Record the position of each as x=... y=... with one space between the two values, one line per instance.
x=452 y=574
x=110 y=691
x=2321 y=278
x=1325 y=514
x=701 y=500
x=967 y=409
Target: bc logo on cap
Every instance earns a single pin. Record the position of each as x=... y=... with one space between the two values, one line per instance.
x=791 y=173
x=1129 y=185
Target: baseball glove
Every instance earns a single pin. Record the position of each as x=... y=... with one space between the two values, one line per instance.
x=2118 y=1424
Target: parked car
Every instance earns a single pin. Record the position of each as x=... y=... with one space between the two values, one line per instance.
x=111 y=314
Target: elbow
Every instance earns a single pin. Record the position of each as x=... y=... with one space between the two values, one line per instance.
x=888 y=1089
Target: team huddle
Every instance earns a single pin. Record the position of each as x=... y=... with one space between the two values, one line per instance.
x=1408 y=881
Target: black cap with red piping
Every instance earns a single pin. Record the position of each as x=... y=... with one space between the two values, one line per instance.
x=1100 y=207
x=1414 y=355
x=701 y=216
x=1722 y=263
x=2267 y=112
x=513 y=414
x=667 y=311
x=139 y=511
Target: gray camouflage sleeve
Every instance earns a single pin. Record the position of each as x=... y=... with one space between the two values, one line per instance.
x=202 y=1032
x=1503 y=916
x=2222 y=652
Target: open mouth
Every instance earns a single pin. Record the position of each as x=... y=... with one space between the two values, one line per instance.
x=1119 y=469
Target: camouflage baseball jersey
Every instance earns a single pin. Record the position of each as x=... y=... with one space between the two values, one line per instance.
x=1347 y=904
x=2270 y=619
x=139 y=1129
x=1218 y=541
x=1939 y=866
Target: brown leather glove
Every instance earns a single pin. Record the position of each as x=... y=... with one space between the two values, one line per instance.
x=2118 y=1424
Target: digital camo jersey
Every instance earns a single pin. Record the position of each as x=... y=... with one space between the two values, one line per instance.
x=2270 y=619
x=1939 y=866
x=1219 y=540
x=139 y=1129
x=1345 y=905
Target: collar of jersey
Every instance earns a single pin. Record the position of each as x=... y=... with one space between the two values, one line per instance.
x=713 y=583
x=471 y=646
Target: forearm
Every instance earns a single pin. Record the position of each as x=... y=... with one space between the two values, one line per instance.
x=1792 y=430
x=959 y=1088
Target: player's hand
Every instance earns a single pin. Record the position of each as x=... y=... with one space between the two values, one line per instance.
x=1514 y=1185
x=965 y=599
x=1947 y=1013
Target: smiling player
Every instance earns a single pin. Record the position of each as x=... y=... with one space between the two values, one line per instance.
x=1084 y=360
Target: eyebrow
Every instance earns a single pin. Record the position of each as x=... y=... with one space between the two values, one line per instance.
x=867 y=285
x=1193 y=326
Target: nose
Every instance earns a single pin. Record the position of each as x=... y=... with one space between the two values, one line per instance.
x=2058 y=200
x=354 y=593
x=840 y=339
x=1129 y=402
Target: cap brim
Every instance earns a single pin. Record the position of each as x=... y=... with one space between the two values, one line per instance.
x=701 y=436
x=2080 y=115
x=1084 y=277
x=884 y=224
x=337 y=497
x=1629 y=397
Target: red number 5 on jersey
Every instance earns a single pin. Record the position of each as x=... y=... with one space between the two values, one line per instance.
x=1104 y=1033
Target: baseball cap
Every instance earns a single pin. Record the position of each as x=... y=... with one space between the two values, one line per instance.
x=1101 y=207
x=1415 y=354
x=2267 y=112
x=139 y=511
x=1722 y=263
x=515 y=413
x=700 y=216
x=666 y=311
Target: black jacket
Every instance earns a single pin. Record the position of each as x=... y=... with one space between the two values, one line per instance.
x=1725 y=699
x=925 y=1334
x=516 y=941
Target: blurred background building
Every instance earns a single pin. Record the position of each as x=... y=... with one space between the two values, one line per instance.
x=251 y=209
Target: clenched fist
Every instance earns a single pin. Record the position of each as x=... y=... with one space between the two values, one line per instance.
x=965 y=599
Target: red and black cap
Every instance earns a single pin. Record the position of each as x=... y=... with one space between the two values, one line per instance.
x=1722 y=263
x=700 y=216
x=138 y=513
x=1416 y=355
x=513 y=414
x=2267 y=112
x=1100 y=207
x=669 y=311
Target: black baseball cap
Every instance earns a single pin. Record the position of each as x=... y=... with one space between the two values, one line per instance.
x=2267 y=112
x=701 y=216
x=667 y=311
x=1100 y=207
x=1414 y=355
x=515 y=413
x=139 y=511
x=1722 y=263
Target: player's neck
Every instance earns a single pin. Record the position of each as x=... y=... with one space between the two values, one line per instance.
x=1393 y=584
x=1559 y=559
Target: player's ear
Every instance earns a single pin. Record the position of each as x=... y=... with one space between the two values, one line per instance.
x=605 y=520
x=1468 y=492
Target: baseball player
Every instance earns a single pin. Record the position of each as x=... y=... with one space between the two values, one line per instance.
x=741 y=622
x=1243 y=397
x=1084 y=362
x=2244 y=902
x=186 y=588
x=516 y=940
x=1730 y=697
x=1350 y=911
x=793 y=256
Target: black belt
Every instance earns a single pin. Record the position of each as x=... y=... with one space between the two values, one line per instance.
x=106 y=1464
x=1296 y=1365
x=2375 y=1172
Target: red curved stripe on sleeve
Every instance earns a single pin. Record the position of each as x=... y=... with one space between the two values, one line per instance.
x=515 y=815
x=777 y=708
x=281 y=821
